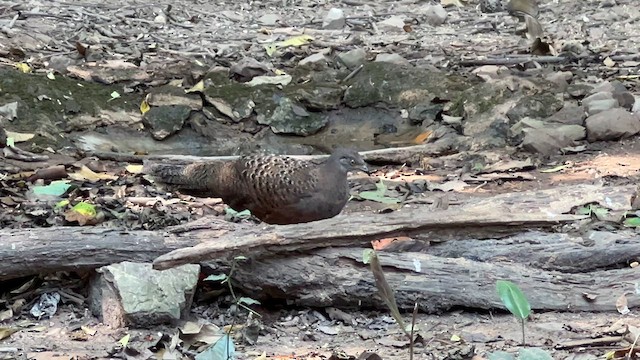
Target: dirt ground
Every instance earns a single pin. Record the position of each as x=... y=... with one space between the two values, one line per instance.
x=225 y=30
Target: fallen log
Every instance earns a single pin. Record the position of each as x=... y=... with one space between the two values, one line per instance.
x=337 y=277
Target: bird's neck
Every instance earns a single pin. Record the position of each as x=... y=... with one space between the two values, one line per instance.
x=333 y=167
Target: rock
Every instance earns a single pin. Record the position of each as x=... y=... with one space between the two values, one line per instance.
x=598 y=102
x=60 y=63
x=597 y=106
x=392 y=24
x=573 y=132
x=392 y=58
x=335 y=20
x=545 y=141
x=560 y=78
x=166 y=120
x=569 y=114
x=317 y=59
x=134 y=294
x=609 y=86
x=269 y=19
x=538 y=106
x=436 y=15
x=353 y=58
x=613 y=124
x=625 y=99
x=291 y=118
x=579 y=90
x=636 y=105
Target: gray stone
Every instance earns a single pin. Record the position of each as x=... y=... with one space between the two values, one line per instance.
x=560 y=78
x=166 y=120
x=596 y=106
x=538 y=106
x=613 y=124
x=335 y=20
x=636 y=105
x=573 y=132
x=436 y=15
x=392 y=58
x=135 y=294
x=291 y=118
x=579 y=90
x=353 y=58
x=569 y=114
x=392 y=24
x=269 y=19
x=315 y=59
x=545 y=141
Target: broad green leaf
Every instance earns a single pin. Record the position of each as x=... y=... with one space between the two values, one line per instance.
x=513 y=299
x=632 y=222
x=240 y=258
x=378 y=195
x=55 y=188
x=248 y=301
x=216 y=277
x=223 y=349
x=533 y=354
x=85 y=209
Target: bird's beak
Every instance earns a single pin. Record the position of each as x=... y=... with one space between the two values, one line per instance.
x=364 y=168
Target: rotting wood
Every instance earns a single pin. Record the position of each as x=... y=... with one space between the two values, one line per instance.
x=32 y=251
x=337 y=277
x=358 y=230
x=397 y=155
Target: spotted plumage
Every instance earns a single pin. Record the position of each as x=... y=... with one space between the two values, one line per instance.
x=276 y=189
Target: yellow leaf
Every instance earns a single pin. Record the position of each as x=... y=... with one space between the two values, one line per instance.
x=199 y=87
x=271 y=49
x=455 y=338
x=295 y=41
x=19 y=137
x=86 y=174
x=23 y=67
x=144 y=107
x=125 y=340
x=134 y=169
x=5 y=332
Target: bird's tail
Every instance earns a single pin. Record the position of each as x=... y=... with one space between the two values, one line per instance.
x=193 y=176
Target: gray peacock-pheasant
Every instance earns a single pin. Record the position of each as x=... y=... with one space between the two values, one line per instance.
x=276 y=189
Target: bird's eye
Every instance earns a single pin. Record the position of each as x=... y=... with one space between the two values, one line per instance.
x=353 y=162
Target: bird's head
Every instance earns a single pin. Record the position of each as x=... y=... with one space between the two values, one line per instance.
x=349 y=160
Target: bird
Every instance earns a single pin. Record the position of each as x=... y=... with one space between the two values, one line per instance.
x=527 y=10
x=276 y=189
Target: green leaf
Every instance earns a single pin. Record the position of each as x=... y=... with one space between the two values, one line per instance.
x=223 y=349
x=56 y=188
x=62 y=204
x=367 y=254
x=513 y=299
x=378 y=195
x=85 y=209
x=632 y=222
x=248 y=301
x=240 y=258
x=216 y=277
x=533 y=354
